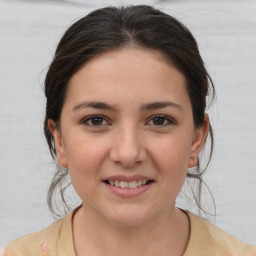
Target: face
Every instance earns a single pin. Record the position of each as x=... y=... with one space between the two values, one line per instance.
x=127 y=135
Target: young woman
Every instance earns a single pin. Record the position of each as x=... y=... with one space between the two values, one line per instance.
x=125 y=118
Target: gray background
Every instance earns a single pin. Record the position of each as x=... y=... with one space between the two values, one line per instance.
x=30 y=30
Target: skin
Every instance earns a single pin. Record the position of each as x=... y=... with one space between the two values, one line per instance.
x=129 y=140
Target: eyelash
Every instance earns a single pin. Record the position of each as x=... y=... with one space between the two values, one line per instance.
x=90 y=118
x=167 y=120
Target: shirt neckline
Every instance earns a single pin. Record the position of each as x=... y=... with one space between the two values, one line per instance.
x=66 y=239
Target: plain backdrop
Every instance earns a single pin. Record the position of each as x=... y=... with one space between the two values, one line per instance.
x=226 y=34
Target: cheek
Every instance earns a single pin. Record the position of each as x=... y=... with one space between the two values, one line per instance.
x=172 y=166
x=84 y=157
x=171 y=157
x=174 y=150
x=84 y=164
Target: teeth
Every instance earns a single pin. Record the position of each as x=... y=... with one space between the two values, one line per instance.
x=126 y=184
x=139 y=182
x=132 y=184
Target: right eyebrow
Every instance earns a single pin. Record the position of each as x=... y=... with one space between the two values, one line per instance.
x=95 y=104
x=160 y=104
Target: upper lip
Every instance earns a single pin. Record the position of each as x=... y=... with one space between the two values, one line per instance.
x=128 y=178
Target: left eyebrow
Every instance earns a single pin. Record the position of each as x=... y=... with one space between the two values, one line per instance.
x=95 y=104
x=160 y=104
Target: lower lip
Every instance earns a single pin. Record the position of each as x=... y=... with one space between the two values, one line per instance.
x=129 y=192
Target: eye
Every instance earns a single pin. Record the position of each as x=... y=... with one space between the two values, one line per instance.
x=95 y=121
x=160 y=120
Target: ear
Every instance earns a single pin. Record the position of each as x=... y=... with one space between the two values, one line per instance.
x=198 y=141
x=60 y=151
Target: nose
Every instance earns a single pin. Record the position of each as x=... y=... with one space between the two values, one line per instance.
x=128 y=148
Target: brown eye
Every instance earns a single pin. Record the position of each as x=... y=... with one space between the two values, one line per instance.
x=160 y=121
x=95 y=121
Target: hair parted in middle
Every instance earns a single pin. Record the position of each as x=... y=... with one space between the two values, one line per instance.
x=113 y=28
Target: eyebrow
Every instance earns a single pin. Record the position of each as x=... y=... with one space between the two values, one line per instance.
x=95 y=104
x=160 y=104
x=145 y=107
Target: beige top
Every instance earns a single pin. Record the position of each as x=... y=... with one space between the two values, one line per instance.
x=2 y=250
x=57 y=240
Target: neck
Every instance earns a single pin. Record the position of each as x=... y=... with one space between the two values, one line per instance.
x=96 y=236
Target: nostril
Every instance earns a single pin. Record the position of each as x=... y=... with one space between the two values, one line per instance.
x=128 y=153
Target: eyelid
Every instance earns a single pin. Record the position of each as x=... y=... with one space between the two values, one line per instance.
x=170 y=120
x=88 y=118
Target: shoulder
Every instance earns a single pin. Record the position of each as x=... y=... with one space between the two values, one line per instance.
x=2 y=250
x=35 y=243
x=209 y=239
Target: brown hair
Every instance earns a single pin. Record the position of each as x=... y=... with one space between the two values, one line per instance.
x=112 y=28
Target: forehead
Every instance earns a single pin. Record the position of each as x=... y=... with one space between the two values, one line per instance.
x=126 y=74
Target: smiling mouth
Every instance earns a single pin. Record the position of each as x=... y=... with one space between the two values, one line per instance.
x=128 y=184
